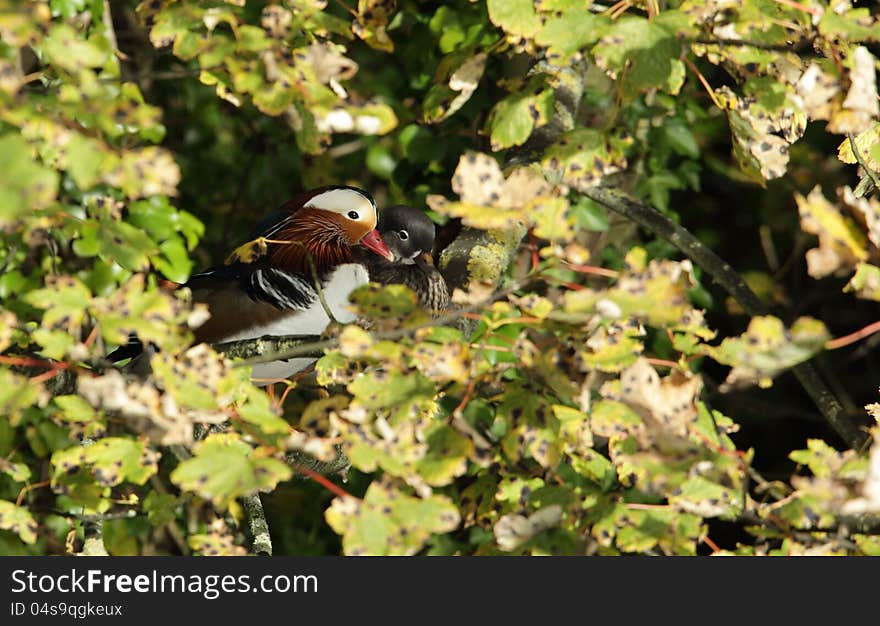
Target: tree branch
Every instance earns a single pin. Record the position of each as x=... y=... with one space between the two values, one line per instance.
x=300 y=346
x=269 y=346
x=485 y=255
x=253 y=509
x=861 y=160
x=93 y=529
x=652 y=220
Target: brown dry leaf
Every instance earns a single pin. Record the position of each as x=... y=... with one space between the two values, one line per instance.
x=761 y=136
x=512 y=530
x=275 y=20
x=860 y=108
x=667 y=405
x=371 y=23
x=489 y=201
x=8 y=322
x=465 y=80
x=478 y=179
x=869 y=499
x=218 y=541
x=329 y=62
x=819 y=92
x=522 y=186
x=478 y=292
x=866 y=208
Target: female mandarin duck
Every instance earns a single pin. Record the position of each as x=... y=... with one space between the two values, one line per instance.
x=276 y=294
x=409 y=234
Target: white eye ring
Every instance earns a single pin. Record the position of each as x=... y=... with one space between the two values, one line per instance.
x=403 y=235
x=353 y=215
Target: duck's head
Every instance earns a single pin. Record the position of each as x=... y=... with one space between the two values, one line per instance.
x=407 y=232
x=324 y=223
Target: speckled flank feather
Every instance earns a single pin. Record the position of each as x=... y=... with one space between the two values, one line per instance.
x=409 y=234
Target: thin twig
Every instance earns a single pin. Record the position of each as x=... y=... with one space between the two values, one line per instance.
x=758 y=45
x=858 y=155
x=326 y=483
x=704 y=82
x=93 y=530
x=800 y=7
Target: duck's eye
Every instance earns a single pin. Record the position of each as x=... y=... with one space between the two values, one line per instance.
x=353 y=215
x=403 y=235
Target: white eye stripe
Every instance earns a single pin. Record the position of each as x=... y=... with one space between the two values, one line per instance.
x=342 y=201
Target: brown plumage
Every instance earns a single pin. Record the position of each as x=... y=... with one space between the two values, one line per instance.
x=409 y=234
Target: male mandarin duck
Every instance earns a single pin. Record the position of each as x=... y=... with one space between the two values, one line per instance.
x=409 y=234
x=276 y=294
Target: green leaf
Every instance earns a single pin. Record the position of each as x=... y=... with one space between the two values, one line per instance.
x=397 y=390
x=446 y=457
x=852 y=25
x=388 y=522
x=65 y=301
x=25 y=186
x=225 y=467
x=384 y=301
x=17 y=393
x=18 y=472
x=258 y=412
x=516 y=17
x=85 y=159
x=110 y=461
x=767 y=348
x=175 y=262
x=75 y=408
x=567 y=34
x=160 y=507
x=865 y=283
x=513 y=118
x=681 y=138
x=585 y=155
x=66 y=49
x=590 y=215
x=647 y=49
x=18 y=520
x=821 y=458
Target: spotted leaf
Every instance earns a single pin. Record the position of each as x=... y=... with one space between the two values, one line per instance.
x=224 y=467
x=389 y=522
x=18 y=520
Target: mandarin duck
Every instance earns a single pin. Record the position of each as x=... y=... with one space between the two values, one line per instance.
x=409 y=235
x=315 y=233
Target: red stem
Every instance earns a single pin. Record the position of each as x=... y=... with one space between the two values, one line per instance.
x=324 y=482
x=840 y=342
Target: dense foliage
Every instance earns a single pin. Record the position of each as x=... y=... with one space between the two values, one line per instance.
x=593 y=392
